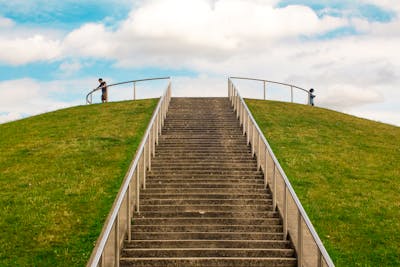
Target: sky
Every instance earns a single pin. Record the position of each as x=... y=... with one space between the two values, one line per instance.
x=53 y=52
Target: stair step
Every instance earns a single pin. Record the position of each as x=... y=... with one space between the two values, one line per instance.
x=205 y=202
x=192 y=190
x=206 y=252
x=207 y=235
x=196 y=243
x=209 y=262
x=205 y=208
x=187 y=185
x=206 y=220
x=202 y=196
x=209 y=228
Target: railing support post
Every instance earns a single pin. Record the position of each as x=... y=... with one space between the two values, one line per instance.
x=285 y=213
x=116 y=253
x=274 y=188
x=137 y=187
x=144 y=168
x=291 y=94
x=128 y=213
x=299 y=241
x=134 y=90
x=266 y=168
x=265 y=90
x=259 y=152
x=149 y=152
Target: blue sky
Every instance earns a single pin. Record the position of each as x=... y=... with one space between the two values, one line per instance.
x=51 y=53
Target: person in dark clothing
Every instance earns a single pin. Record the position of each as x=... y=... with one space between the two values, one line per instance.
x=312 y=96
x=103 y=87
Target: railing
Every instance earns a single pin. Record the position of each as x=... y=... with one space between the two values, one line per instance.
x=296 y=224
x=89 y=96
x=118 y=224
x=265 y=82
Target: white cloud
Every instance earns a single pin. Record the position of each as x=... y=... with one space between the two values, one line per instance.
x=19 y=98
x=235 y=37
x=346 y=96
x=6 y=22
x=25 y=50
x=175 y=31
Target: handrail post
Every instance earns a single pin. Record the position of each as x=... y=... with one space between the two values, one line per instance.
x=291 y=94
x=134 y=90
x=149 y=149
x=144 y=168
x=266 y=168
x=116 y=253
x=259 y=152
x=128 y=213
x=265 y=90
x=137 y=187
x=274 y=188
x=253 y=145
x=285 y=213
x=299 y=241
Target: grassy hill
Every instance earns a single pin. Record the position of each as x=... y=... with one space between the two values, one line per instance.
x=346 y=172
x=59 y=175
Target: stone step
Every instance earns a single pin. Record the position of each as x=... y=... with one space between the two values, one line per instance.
x=206 y=235
x=205 y=208
x=209 y=176
x=209 y=228
x=226 y=145
x=209 y=262
x=243 y=244
x=251 y=201
x=204 y=220
x=202 y=196
x=210 y=149
x=194 y=172
x=185 y=137
x=187 y=185
x=210 y=214
x=217 y=153
x=209 y=181
x=203 y=161
x=206 y=252
x=210 y=191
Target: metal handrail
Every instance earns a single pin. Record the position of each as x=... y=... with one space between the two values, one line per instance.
x=265 y=159
x=280 y=83
x=118 y=224
x=90 y=94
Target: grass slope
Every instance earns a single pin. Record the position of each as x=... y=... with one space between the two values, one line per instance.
x=59 y=175
x=346 y=173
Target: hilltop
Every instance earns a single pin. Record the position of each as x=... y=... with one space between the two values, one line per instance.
x=60 y=172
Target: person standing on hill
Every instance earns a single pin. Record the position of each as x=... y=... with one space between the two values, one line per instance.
x=312 y=96
x=103 y=87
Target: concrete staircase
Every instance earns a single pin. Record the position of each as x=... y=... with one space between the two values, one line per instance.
x=205 y=202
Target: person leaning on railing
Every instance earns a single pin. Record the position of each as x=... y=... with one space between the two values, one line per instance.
x=103 y=87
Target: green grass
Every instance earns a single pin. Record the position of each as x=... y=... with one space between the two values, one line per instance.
x=59 y=175
x=346 y=172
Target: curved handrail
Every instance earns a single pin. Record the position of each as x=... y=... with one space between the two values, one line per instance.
x=274 y=82
x=119 y=83
x=118 y=221
x=245 y=115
